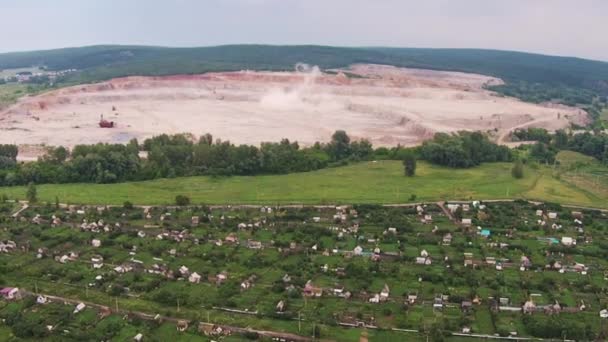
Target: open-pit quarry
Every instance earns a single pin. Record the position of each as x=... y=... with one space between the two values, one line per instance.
x=384 y=104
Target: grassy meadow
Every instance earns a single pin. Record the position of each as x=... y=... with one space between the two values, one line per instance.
x=10 y=93
x=366 y=182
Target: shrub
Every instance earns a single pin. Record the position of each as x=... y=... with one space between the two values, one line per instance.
x=182 y=200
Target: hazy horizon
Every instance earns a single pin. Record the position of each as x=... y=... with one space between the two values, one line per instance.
x=552 y=27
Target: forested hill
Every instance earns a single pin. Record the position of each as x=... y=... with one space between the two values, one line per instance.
x=532 y=77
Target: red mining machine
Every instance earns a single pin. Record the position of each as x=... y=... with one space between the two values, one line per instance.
x=103 y=123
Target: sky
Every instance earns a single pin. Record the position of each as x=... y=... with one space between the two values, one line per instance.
x=559 y=27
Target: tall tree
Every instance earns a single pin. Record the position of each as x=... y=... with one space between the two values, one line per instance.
x=518 y=169
x=32 y=193
x=339 y=148
x=409 y=164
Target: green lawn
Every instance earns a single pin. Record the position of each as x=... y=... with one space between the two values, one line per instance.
x=604 y=115
x=367 y=182
x=9 y=93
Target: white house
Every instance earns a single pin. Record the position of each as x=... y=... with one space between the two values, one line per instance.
x=385 y=292
x=194 y=278
x=79 y=308
x=568 y=241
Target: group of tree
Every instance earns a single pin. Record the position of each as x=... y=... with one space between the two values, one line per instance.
x=463 y=149
x=594 y=144
x=183 y=155
x=531 y=134
x=177 y=155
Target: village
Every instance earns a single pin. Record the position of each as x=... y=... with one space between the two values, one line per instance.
x=495 y=268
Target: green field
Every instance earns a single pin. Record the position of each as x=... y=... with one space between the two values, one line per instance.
x=9 y=93
x=367 y=182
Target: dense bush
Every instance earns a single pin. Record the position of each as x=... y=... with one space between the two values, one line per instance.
x=465 y=149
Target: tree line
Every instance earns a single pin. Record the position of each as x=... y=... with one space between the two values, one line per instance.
x=594 y=144
x=175 y=156
x=183 y=155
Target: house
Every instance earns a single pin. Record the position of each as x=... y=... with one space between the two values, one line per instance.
x=280 y=306
x=123 y=269
x=358 y=250
x=79 y=307
x=138 y=338
x=41 y=299
x=246 y=284
x=529 y=307
x=453 y=207
x=182 y=325
x=10 y=293
x=254 y=244
x=427 y=219
x=231 y=238
x=466 y=222
x=578 y=267
x=466 y=330
x=552 y=215
x=577 y=215
x=286 y=278
x=447 y=239
x=97 y=263
x=466 y=305
x=375 y=299
x=213 y=330
x=221 y=277
x=485 y=233
x=311 y=291
x=423 y=261
x=568 y=241
x=539 y=213
x=411 y=299
x=438 y=303
x=552 y=309
x=195 y=221
x=184 y=271
x=525 y=262
x=141 y=234
x=385 y=293
x=96 y=243
x=194 y=278
x=424 y=253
